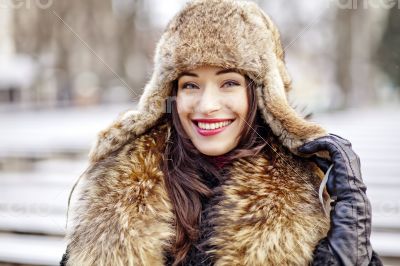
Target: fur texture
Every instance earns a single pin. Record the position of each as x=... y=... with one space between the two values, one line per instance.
x=266 y=215
x=225 y=33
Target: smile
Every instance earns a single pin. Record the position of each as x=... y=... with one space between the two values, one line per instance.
x=208 y=127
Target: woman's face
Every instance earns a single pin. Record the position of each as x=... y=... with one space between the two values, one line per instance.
x=212 y=106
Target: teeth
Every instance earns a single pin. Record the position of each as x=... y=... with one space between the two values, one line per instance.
x=210 y=126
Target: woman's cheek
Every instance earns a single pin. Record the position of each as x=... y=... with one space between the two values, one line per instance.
x=183 y=104
x=237 y=103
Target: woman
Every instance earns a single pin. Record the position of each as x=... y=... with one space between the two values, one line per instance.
x=215 y=168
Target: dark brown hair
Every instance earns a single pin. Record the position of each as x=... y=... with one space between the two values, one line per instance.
x=183 y=163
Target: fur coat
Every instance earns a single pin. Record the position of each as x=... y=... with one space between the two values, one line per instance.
x=266 y=213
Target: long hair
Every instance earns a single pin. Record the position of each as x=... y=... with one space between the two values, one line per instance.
x=183 y=163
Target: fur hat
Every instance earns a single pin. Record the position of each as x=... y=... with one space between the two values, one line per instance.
x=224 y=33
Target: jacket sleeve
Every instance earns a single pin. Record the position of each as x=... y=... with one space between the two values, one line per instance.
x=324 y=256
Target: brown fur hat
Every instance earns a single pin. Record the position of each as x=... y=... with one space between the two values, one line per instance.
x=224 y=33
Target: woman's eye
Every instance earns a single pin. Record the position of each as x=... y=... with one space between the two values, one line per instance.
x=189 y=86
x=231 y=83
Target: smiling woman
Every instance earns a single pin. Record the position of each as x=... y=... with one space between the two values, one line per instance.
x=219 y=180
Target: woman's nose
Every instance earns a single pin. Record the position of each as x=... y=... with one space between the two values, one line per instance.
x=209 y=101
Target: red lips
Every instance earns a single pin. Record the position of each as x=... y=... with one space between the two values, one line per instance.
x=210 y=132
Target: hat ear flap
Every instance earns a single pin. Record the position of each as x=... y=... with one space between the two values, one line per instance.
x=152 y=107
x=292 y=129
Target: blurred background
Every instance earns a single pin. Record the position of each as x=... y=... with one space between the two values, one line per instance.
x=68 y=68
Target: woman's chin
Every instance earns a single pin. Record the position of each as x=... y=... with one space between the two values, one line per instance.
x=214 y=150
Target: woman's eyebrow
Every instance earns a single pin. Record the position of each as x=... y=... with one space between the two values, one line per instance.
x=228 y=70
x=188 y=74
x=223 y=71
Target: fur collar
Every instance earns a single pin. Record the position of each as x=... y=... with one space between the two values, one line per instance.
x=266 y=215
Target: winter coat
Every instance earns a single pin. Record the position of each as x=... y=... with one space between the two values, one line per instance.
x=262 y=215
